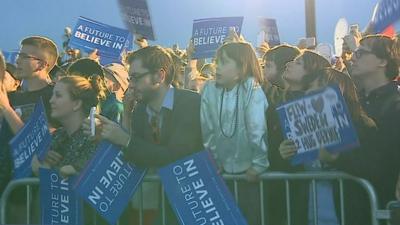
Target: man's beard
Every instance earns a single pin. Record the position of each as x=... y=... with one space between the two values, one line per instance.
x=148 y=95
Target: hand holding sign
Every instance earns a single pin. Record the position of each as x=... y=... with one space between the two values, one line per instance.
x=52 y=158
x=141 y=42
x=318 y=120
x=68 y=171
x=287 y=149
x=326 y=156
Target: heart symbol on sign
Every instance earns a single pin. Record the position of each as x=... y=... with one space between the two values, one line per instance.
x=318 y=104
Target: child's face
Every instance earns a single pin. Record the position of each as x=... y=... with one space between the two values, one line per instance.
x=270 y=71
x=295 y=71
x=227 y=71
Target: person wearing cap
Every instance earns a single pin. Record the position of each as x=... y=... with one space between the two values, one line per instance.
x=116 y=80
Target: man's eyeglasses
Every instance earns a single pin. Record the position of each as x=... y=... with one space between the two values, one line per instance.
x=358 y=53
x=138 y=76
x=22 y=55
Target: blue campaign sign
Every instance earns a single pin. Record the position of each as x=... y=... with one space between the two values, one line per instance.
x=198 y=194
x=269 y=29
x=10 y=57
x=105 y=59
x=209 y=34
x=33 y=138
x=315 y=121
x=108 y=183
x=386 y=13
x=136 y=16
x=129 y=45
x=108 y=40
x=59 y=204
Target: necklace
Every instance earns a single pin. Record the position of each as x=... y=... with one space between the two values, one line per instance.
x=236 y=114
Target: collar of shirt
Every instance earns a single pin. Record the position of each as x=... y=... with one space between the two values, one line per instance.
x=168 y=103
x=169 y=99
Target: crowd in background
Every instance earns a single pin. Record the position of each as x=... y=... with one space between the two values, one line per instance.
x=159 y=104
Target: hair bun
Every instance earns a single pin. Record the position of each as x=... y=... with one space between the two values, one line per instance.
x=98 y=86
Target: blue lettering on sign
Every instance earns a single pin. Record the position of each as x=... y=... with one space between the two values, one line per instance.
x=197 y=193
x=315 y=121
x=58 y=201
x=209 y=34
x=33 y=138
x=108 y=40
x=107 y=183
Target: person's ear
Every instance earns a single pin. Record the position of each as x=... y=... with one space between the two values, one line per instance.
x=160 y=78
x=77 y=105
x=116 y=86
x=17 y=83
x=42 y=65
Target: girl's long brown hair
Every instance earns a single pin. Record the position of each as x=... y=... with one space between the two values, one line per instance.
x=348 y=88
x=245 y=58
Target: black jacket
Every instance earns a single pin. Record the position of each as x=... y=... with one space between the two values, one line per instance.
x=383 y=105
x=180 y=133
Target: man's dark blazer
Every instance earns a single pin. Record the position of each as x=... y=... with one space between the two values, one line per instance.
x=180 y=132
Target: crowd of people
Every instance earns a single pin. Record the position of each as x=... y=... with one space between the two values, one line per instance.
x=160 y=105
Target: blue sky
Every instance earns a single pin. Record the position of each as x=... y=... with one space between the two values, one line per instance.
x=173 y=19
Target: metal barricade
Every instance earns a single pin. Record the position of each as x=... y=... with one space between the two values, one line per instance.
x=375 y=213
x=393 y=212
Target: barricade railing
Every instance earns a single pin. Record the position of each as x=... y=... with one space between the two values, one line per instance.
x=376 y=213
x=393 y=212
